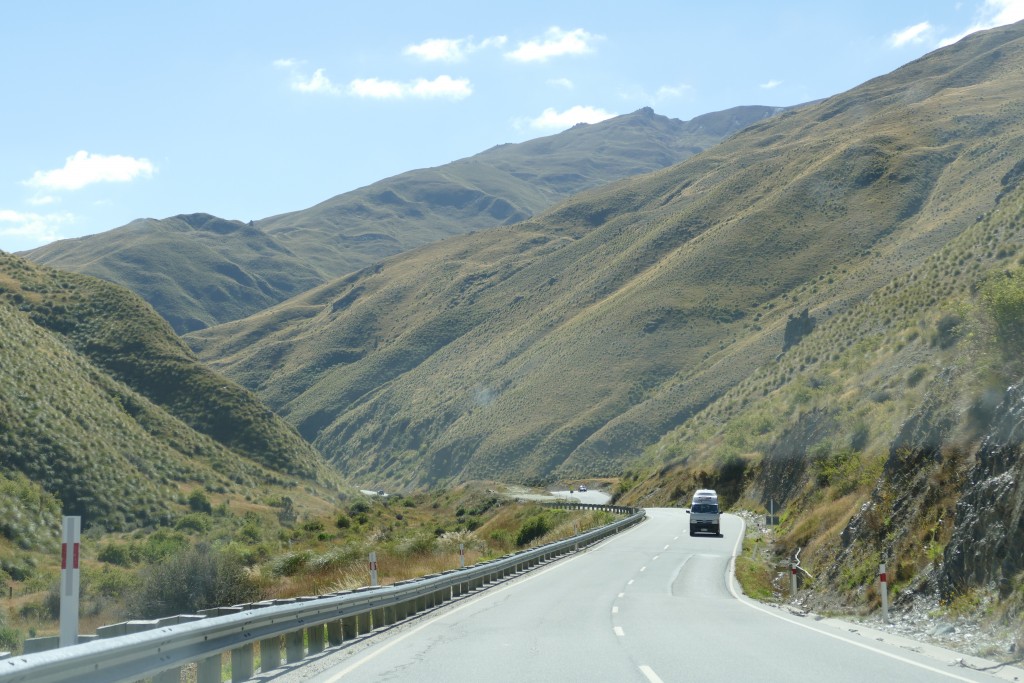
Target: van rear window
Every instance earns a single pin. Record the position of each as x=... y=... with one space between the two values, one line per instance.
x=708 y=508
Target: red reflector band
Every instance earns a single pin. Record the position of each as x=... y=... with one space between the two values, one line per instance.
x=63 y=555
x=881 y=577
x=74 y=559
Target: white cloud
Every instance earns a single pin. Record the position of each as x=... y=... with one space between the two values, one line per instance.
x=33 y=226
x=85 y=169
x=318 y=83
x=438 y=50
x=555 y=43
x=450 y=49
x=770 y=85
x=993 y=13
x=43 y=200
x=912 y=34
x=550 y=118
x=671 y=91
x=561 y=83
x=288 y=63
x=376 y=89
x=442 y=86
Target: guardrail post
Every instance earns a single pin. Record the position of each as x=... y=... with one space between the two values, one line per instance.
x=378 y=617
x=349 y=628
x=241 y=663
x=334 y=638
x=294 y=645
x=270 y=653
x=208 y=670
x=316 y=639
x=364 y=622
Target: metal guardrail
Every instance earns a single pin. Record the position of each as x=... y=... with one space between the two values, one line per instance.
x=162 y=651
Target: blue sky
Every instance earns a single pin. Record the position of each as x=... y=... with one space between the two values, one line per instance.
x=114 y=111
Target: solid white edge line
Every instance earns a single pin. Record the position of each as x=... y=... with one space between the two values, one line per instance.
x=730 y=576
x=648 y=672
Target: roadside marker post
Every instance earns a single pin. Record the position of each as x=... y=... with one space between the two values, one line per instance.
x=792 y=578
x=70 y=576
x=373 y=569
x=883 y=586
x=462 y=556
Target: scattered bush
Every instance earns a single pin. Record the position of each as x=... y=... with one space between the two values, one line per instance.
x=196 y=522
x=120 y=554
x=532 y=529
x=195 y=578
x=199 y=502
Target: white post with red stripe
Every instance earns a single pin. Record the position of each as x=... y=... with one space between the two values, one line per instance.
x=462 y=556
x=792 y=578
x=373 y=569
x=883 y=585
x=69 y=580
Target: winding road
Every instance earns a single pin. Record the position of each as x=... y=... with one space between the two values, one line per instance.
x=651 y=604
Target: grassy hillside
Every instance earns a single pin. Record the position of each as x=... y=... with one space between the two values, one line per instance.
x=104 y=408
x=195 y=270
x=875 y=435
x=570 y=342
x=199 y=270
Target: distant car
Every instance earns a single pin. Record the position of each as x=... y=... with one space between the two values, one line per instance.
x=582 y=488
x=381 y=493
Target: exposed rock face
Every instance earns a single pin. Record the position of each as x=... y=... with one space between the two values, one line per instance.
x=782 y=468
x=988 y=539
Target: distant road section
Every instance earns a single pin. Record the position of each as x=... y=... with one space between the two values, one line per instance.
x=650 y=604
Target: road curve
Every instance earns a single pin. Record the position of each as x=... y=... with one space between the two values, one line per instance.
x=651 y=604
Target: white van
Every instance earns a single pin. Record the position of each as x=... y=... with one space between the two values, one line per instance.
x=704 y=514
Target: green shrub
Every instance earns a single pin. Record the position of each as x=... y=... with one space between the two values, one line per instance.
x=162 y=543
x=532 y=529
x=120 y=554
x=192 y=579
x=10 y=638
x=199 y=502
x=313 y=526
x=198 y=522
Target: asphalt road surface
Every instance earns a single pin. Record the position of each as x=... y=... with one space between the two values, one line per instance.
x=651 y=604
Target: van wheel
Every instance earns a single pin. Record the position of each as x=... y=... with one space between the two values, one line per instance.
x=691 y=532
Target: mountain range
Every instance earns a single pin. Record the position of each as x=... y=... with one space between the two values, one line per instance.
x=566 y=344
x=198 y=270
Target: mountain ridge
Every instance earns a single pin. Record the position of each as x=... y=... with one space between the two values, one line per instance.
x=198 y=270
x=681 y=281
